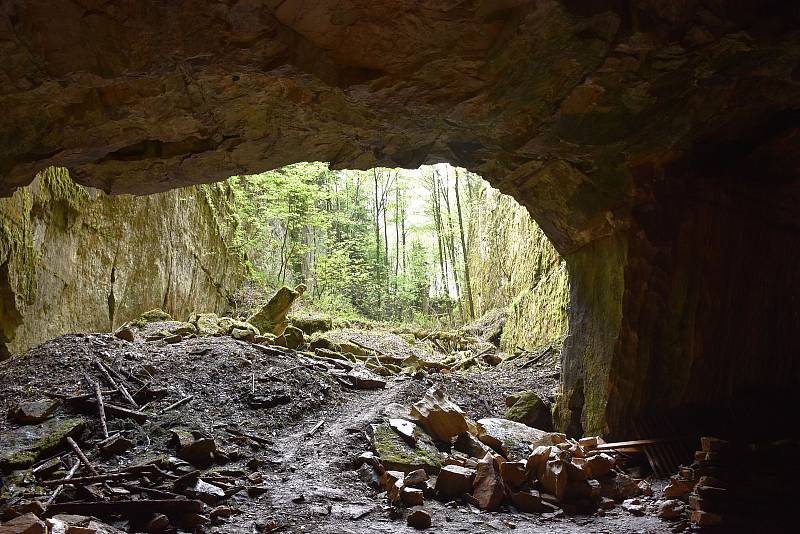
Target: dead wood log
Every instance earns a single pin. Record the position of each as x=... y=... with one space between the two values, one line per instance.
x=169 y=507
x=82 y=457
x=101 y=409
x=94 y=478
x=155 y=492
x=116 y=411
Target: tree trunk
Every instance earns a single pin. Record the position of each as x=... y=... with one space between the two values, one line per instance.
x=467 y=283
x=451 y=245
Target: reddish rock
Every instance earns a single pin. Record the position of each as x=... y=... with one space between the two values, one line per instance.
x=513 y=473
x=554 y=478
x=412 y=496
x=438 y=415
x=488 y=491
x=419 y=519
x=455 y=481
x=527 y=501
x=24 y=524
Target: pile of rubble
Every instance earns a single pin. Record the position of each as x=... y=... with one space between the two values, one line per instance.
x=110 y=451
x=433 y=451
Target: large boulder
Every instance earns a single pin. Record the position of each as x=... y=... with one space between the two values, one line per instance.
x=531 y=410
x=311 y=323
x=272 y=316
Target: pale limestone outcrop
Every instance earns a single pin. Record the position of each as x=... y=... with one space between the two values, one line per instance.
x=76 y=259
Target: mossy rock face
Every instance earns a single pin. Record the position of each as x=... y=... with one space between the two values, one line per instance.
x=531 y=410
x=21 y=447
x=311 y=323
x=397 y=455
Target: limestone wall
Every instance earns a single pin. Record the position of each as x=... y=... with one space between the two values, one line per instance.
x=75 y=259
x=514 y=266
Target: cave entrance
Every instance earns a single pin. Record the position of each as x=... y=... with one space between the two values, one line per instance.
x=435 y=246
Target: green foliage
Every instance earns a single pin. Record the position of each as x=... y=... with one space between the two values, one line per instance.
x=363 y=242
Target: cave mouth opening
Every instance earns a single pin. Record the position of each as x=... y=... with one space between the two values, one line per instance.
x=437 y=246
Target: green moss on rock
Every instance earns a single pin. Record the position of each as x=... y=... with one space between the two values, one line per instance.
x=27 y=445
x=530 y=410
x=397 y=455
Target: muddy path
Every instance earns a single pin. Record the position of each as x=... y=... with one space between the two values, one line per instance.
x=304 y=472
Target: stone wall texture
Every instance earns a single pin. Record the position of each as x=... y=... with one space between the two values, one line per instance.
x=73 y=259
x=514 y=266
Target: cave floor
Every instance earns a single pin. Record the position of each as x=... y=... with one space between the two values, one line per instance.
x=307 y=480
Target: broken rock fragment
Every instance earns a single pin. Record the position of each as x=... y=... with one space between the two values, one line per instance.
x=527 y=501
x=361 y=378
x=24 y=524
x=272 y=316
x=439 y=416
x=513 y=473
x=488 y=491
x=454 y=481
x=194 y=447
x=419 y=519
x=554 y=478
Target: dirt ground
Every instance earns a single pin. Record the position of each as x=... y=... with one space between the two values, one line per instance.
x=308 y=480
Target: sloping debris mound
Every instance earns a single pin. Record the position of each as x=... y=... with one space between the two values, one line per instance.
x=433 y=450
x=146 y=436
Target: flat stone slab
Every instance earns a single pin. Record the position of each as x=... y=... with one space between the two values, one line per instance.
x=513 y=440
x=21 y=447
x=34 y=412
x=396 y=454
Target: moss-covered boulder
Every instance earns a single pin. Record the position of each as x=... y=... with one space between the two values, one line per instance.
x=311 y=323
x=531 y=410
x=323 y=341
x=292 y=338
x=397 y=454
x=152 y=316
x=272 y=316
x=20 y=448
x=184 y=329
x=207 y=324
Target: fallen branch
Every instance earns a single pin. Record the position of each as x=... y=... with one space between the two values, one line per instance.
x=82 y=457
x=177 y=404
x=104 y=371
x=316 y=427
x=101 y=409
x=58 y=490
x=92 y=479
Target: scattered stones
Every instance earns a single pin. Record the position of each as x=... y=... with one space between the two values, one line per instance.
x=439 y=416
x=454 y=481
x=34 y=412
x=419 y=519
x=208 y=493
